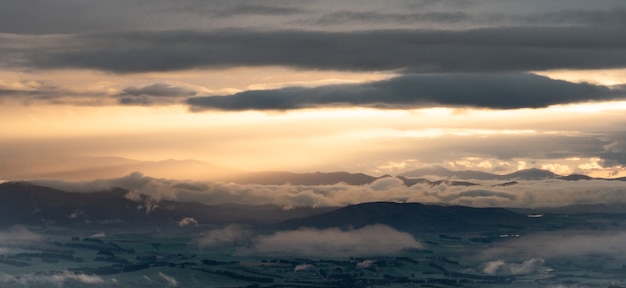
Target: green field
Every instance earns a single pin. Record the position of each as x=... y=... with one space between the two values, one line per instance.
x=67 y=258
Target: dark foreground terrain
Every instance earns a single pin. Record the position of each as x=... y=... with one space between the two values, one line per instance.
x=52 y=238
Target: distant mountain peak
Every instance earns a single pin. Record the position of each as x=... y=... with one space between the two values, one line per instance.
x=438 y=171
x=575 y=177
x=306 y=179
x=410 y=217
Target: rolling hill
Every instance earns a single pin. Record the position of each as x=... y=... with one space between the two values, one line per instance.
x=307 y=179
x=27 y=204
x=411 y=217
x=438 y=171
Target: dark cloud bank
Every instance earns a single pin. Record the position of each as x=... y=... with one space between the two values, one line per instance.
x=475 y=50
x=571 y=17
x=502 y=91
x=157 y=93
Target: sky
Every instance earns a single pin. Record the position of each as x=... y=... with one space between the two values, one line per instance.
x=360 y=86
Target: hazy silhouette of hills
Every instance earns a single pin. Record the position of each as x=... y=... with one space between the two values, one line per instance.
x=411 y=178
x=89 y=168
x=510 y=183
x=411 y=217
x=307 y=179
x=438 y=171
x=27 y=204
x=412 y=181
x=613 y=208
x=575 y=177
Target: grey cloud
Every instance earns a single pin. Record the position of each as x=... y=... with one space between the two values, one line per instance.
x=48 y=17
x=171 y=281
x=504 y=91
x=477 y=193
x=544 y=193
x=254 y=9
x=18 y=235
x=34 y=91
x=341 y=17
x=303 y=267
x=369 y=240
x=158 y=93
x=541 y=146
x=611 y=17
x=67 y=16
x=615 y=17
x=477 y=50
x=562 y=244
x=421 y=4
x=229 y=235
x=75 y=17
x=501 y=267
x=57 y=279
x=187 y=221
x=159 y=90
x=613 y=151
x=142 y=100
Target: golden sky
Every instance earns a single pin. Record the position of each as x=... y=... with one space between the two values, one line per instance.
x=315 y=87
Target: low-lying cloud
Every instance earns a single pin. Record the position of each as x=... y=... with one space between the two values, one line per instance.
x=501 y=267
x=159 y=90
x=570 y=17
x=158 y=93
x=18 y=235
x=533 y=194
x=227 y=236
x=499 y=91
x=431 y=51
x=369 y=240
x=303 y=267
x=187 y=221
x=171 y=281
x=52 y=279
x=563 y=244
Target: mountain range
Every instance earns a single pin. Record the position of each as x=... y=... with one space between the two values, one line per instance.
x=307 y=179
x=78 y=168
x=438 y=171
x=23 y=203
x=28 y=204
x=411 y=217
x=88 y=168
x=418 y=176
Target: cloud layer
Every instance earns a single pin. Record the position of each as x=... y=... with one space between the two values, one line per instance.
x=67 y=16
x=333 y=242
x=18 y=235
x=157 y=93
x=474 y=50
x=52 y=279
x=369 y=240
x=229 y=235
x=563 y=244
x=544 y=193
x=501 y=267
x=498 y=91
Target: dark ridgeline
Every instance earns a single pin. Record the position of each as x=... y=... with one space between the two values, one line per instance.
x=307 y=179
x=22 y=203
x=412 y=217
x=526 y=174
x=27 y=204
x=412 y=181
